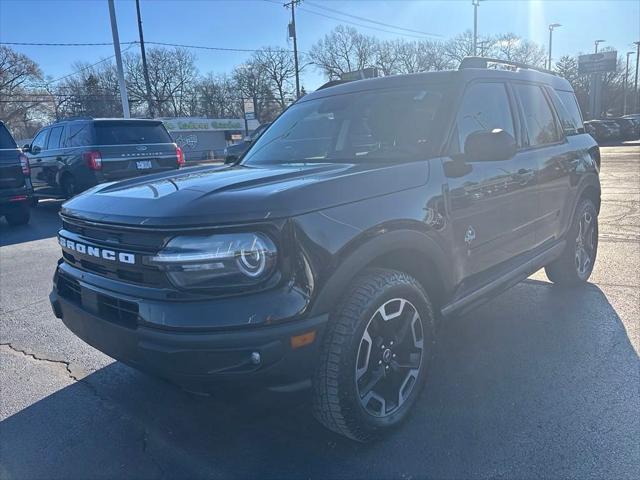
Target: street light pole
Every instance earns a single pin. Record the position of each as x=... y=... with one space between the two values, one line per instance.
x=116 y=47
x=598 y=42
x=551 y=27
x=476 y=4
x=626 y=84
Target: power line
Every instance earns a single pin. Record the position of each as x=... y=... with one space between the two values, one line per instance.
x=357 y=17
x=42 y=44
x=204 y=47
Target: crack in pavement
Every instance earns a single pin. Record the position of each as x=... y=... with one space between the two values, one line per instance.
x=94 y=391
x=5 y=312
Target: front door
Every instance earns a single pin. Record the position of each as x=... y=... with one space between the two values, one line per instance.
x=36 y=160
x=492 y=204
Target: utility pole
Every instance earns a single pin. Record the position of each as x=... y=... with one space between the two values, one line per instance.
x=482 y=44
x=598 y=42
x=145 y=71
x=551 y=27
x=292 y=34
x=116 y=47
x=626 y=84
x=635 y=82
x=476 y=4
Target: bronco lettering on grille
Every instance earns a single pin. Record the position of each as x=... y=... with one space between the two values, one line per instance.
x=104 y=253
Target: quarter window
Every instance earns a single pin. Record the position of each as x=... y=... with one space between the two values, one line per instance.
x=538 y=117
x=570 y=103
x=80 y=135
x=485 y=107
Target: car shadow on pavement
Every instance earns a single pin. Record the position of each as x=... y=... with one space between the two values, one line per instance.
x=540 y=382
x=44 y=223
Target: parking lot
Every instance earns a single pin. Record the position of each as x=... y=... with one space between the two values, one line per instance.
x=539 y=382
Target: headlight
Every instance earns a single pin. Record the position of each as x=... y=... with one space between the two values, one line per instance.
x=212 y=261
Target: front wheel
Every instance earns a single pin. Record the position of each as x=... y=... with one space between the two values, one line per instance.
x=578 y=258
x=374 y=359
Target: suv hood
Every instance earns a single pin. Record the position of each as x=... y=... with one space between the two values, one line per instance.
x=202 y=196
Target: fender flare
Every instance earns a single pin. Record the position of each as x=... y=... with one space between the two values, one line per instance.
x=358 y=257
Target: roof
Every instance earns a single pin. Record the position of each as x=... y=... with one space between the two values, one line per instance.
x=465 y=74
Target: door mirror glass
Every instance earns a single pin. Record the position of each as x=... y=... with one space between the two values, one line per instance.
x=26 y=148
x=483 y=145
x=34 y=149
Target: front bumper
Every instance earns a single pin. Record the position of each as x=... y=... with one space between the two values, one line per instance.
x=194 y=359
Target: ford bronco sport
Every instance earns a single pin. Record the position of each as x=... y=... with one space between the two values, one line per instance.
x=364 y=213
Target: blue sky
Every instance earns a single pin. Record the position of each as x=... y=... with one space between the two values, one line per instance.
x=257 y=23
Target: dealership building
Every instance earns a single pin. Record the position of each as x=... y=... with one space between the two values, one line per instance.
x=204 y=139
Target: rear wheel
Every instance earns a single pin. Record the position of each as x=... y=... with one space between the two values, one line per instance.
x=19 y=215
x=375 y=355
x=576 y=263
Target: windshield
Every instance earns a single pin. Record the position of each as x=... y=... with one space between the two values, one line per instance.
x=394 y=124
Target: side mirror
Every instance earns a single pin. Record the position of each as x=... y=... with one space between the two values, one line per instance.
x=26 y=148
x=34 y=149
x=485 y=145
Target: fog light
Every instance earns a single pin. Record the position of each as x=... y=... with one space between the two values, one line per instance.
x=255 y=358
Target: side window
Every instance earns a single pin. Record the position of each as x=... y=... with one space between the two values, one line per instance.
x=570 y=103
x=485 y=106
x=54 y=138
x=38 y=143
x=538 y=116
x=79 y=135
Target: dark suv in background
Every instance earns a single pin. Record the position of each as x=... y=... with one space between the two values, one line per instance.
x=15 y=184
x=363 y=214
x=73 y=155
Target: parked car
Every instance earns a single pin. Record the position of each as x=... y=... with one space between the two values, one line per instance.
x=15 y=184
x=635 y=118
x=233 y=152
x=364 y=214
x=629 y=129
x=73 y=155
x=603 y=130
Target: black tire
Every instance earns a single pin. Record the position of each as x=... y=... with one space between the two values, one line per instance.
x=18 y=216
x=68 y=186
x=337 y=397
x=571 y=268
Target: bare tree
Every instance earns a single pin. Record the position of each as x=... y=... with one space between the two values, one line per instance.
x=511 y=47
x=173 y=76
x=18 y=103
x=343 y=50
x=252 y=83
x=459 y=47
x=218 y=97
x=279 y=68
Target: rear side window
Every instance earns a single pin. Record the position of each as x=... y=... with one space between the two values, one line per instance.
x=79 y=135
x=538 y=116
x=54 y=138
x=570 y=103
x=485 y=106
x=127 y=133
x=6 y=140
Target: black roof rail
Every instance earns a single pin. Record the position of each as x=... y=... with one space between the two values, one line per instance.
x=483 y=62
x=332 y=83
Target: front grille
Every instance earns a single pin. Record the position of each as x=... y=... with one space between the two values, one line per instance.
x=139 y=242
x=112 y=309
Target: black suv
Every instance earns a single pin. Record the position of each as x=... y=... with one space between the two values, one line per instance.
x=364 y=213
x=75 y=154
x=233 y=152
x=15 y=184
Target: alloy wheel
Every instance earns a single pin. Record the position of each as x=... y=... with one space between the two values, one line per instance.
x=389 y=357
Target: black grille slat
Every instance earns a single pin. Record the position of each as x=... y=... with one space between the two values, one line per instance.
x=118 y=311
x=139 y=243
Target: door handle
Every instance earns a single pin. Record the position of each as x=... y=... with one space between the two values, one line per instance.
x=524 y=171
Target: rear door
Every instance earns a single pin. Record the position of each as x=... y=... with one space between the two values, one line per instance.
x=52 y=157
x=132 y=148
x=545 y=143
x=11 y=175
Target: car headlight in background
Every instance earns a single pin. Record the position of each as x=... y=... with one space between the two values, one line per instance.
x=219 y=260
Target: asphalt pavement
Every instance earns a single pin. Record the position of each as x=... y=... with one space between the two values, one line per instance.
x=537 y=383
